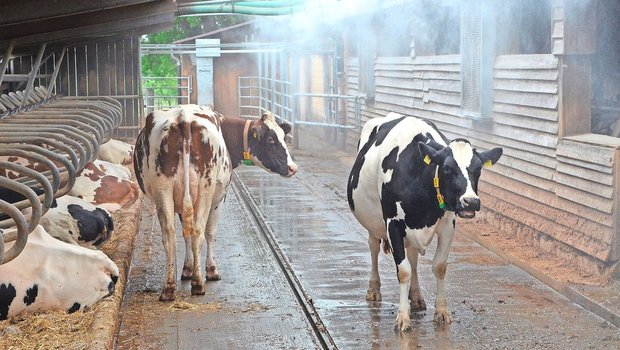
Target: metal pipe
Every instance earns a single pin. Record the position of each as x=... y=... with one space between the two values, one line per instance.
x=200 y=10
x=6 y=58
x=55 y=73
x=33 y=73
x=271 y=3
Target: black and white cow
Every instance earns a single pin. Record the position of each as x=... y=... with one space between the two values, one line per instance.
x=76 y=221
x=69 y=219
x=408 y=184
x=184 y=159
x=53 y=275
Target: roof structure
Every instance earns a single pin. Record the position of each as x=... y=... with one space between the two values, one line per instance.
x=31 y=23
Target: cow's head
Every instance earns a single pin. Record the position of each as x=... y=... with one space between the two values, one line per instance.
x=268 y=148
x=459 y=170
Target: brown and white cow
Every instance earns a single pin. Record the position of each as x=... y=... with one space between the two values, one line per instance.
x=184 y=159
x=106 y=185
x=53 y=275
x=115 y=151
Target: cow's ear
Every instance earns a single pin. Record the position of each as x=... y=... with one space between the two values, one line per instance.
x=490 y=157
x=430 y=155
x=258 y=131
x=286 y=127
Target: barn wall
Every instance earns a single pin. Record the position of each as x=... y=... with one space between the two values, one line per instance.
x=557 y=194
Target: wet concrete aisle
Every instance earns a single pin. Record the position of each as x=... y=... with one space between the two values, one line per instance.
x=494 y=305
x=252 y=306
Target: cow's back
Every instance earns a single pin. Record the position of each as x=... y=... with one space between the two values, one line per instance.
x=382 y=140
x=158 y=155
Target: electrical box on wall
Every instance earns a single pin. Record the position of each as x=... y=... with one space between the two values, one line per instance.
x=206 y=49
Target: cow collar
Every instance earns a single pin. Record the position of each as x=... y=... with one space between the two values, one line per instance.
x=247 y=160
x=442 y=203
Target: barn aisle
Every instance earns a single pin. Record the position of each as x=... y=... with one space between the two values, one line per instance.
x=249 y=308
x=494 y=305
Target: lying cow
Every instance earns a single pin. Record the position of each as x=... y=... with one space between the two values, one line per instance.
x=116 y=152
x=106 y=185
x=407 y=185
x=76 y=221
x=53 y=275
x=184 y=159
x=69 y=219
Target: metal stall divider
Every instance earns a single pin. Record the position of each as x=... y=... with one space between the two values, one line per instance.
x=60 y=135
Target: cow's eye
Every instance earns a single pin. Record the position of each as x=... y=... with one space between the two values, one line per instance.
x=447 y=170
x=271 y=140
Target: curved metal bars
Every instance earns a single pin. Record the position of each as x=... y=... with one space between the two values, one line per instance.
x=30 y=195
x=22 y=230
x=57 y=136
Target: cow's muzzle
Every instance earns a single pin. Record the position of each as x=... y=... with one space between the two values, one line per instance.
x=292 y=170
x=468 y=211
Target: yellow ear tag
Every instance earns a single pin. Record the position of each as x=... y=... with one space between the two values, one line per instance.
x=246 y=155
x=427 y=159
x=488 y=163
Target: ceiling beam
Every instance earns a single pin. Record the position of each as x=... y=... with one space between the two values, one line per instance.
x=24 y=11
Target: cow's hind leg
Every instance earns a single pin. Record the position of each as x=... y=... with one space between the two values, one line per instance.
x=374 y=284
x=165 y=213
x=440 y=265
x=188 y=262
x=415 y=293
x=211 y=265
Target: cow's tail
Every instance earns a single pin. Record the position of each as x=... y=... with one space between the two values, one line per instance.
x=188 y=206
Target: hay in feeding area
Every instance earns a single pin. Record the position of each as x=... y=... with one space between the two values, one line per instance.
x=50 y=330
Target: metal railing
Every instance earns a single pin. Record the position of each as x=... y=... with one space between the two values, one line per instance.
x=59 y=135
x=165 y=92
x=261 y=94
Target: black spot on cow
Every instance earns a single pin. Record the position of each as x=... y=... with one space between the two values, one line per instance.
x=412 y=193
x=7 y=294
x=75 y=307
x=453 y=223
x=31 y=294
x=376 y=137
x=396 y=231
x=94 y=226
x=11 y=196
x=114 y=279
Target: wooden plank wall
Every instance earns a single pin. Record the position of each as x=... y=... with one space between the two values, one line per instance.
x=548 y=190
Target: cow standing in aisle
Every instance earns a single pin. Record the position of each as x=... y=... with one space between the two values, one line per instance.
x=408 y=184
x=183 y=161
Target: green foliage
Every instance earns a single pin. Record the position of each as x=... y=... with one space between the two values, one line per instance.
x=165 y=65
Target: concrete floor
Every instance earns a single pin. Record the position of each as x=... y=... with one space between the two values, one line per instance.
x=494 y=305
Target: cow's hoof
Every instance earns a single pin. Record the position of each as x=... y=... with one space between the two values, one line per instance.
x=187 y=273
x=442 y=317
x=198 y=289
x=166 y=295
x=373 y=295
x=403 y=322
x=418 y=305
x=213 y=274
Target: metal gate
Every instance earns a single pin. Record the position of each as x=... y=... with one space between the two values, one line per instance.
x=282 y=87
x=165 y=92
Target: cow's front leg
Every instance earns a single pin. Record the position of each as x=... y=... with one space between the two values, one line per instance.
x=188 y=262
x=211 y=265
x=374 y=284
x=396 y=232
x=440 y=265
x=415 y=293
x=168 y=232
